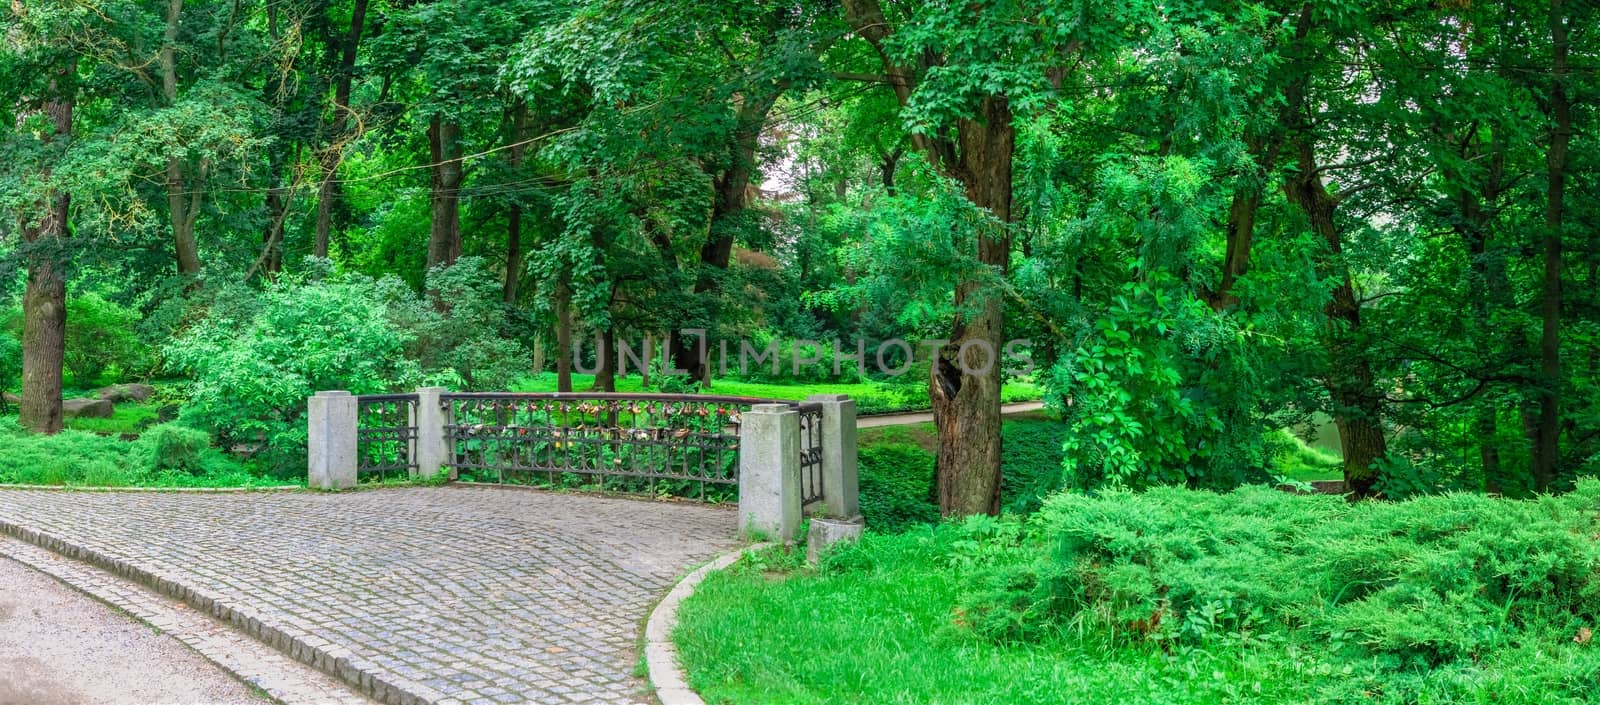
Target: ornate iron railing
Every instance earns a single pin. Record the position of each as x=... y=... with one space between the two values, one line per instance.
x=683 y=445
x=811 y=490
x=386 y=436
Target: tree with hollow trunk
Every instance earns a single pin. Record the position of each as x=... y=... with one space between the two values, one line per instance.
x=975 y=150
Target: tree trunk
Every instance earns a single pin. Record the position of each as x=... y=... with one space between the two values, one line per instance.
x=444 y=236
x=966 y=407
x=519 y=135
x=333 y=150
x=277 y=206
x=44 y=301
x=605 y=376
x=1357 y=402
x=183 y=206
x=730 y=200
x=564 y=349
x=966 y=399
x=1546 y=450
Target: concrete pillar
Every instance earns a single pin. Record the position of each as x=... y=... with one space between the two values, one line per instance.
x=431 y=448
x=331 y=441
x=769 y=472
x=840 y=486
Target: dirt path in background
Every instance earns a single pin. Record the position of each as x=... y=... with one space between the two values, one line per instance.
x=59 y=647
x=1020 y=407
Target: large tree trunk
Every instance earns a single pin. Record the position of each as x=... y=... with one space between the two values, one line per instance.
x=444 y=147
x=44 y=302
x=966 y=407
x=1546 y=450
x=966 y=398
x=333 y=150
x=183 y=197
x=1357 y=402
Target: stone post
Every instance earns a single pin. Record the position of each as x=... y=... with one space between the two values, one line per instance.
x=840 y=486
x=331 y=441
x=769 y=471
x=429 y=418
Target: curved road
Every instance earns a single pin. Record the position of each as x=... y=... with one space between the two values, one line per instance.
x=59 y=647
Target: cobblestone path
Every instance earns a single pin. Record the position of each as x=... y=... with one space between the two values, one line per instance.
x=444 y=595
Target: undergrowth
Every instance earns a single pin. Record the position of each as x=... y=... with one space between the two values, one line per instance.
x=167 y=455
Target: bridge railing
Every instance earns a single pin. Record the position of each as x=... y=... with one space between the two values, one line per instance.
x=781 y=459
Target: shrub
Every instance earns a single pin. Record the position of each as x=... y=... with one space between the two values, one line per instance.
x=170 y=447
x=167 y=455
x=101 y=338
x=254 y=365
x=1392 y=589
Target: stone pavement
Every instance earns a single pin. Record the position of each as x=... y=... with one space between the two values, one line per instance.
x=445 y=595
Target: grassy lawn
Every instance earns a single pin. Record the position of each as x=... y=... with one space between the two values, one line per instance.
x=767 y=633
x=871 y=397
x=1173 y=596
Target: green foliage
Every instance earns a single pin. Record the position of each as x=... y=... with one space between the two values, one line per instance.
x=166 y=456
x=101 y=339
x=10 y=363
x=895 y=484
x=170 y=447
x=254 y=366
x=1379 y=593
x=1175 y=596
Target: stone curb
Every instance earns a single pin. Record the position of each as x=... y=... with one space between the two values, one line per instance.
x=306 y=648
x=667 y=679
x=282 y=679
x=175 y=490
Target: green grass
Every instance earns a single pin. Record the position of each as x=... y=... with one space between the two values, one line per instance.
x=127 y=417
x=871 y=397
x=1268 y=597
x=896 y=469
x=890 y=634
x=1295 y=459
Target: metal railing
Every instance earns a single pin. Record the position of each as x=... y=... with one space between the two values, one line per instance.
x=811 y=485
x=673 y=444
x=386 y=436
x=684 y=445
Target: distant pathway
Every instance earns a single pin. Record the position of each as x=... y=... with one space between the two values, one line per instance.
x=431 y=595
x=58 y=647
x=927 y=416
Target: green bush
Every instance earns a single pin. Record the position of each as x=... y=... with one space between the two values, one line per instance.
x=166 y=455
x=101 y=338
x=1389 y=592
x=254 y=364
x=170 y=447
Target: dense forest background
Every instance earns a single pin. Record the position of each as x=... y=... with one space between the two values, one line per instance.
x=1214 y=220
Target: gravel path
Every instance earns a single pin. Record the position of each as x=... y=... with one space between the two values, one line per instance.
x=1020 y=407
x=58 y=647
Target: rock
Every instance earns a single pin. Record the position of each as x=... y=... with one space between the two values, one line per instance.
x=86 y=408
x=827 y=532
x=118 y=393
